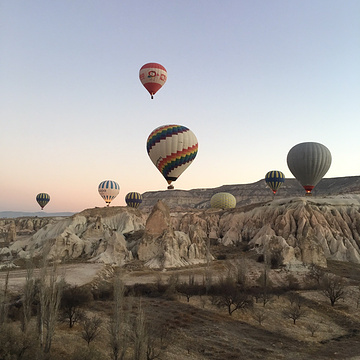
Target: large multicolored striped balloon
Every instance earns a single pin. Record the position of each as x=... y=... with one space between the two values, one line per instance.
x=309 y=162
x=42 y=199
x=108 y=190
x=223 y=200
x=133 y=199
x=274 y=179
x=172 y=148
x=153 y=76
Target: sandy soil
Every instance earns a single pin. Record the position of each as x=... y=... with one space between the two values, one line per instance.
x=74 y=274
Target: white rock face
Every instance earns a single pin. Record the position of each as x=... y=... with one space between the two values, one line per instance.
x=309 y=230
x=297 y=230
x=11 y=235
x=95 y=235
x=162 y=247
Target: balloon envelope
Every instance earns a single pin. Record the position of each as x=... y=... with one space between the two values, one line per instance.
x=309 y=162
x=108 y=190
x=274 y=179
x=223 y=200
x=153 y=76
x=172 y=148
x=133 y=199
x=42 y=199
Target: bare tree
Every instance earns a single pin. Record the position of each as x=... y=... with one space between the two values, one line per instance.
x=333 y=287
x=72 y=300
x=316 y=273
x=119 y=323
x=14 y=344
x=229 y=295
x=28 y=296
x=155 y=343
x=295 y=299
x=90 y=328
x=172 y=283
x=140 y=335
x=190 y=289
x=208 y=254
x=265 y=292
x=50 y=288
x=312 y=327
x=207 y=279
x=241 y=272
x=292 y=282
x=4 y=300
x=259 y=315
x=294 y=313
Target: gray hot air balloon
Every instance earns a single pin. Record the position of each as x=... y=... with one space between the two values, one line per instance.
x=309 y=162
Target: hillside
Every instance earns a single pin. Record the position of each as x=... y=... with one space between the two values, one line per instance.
x=245 y=194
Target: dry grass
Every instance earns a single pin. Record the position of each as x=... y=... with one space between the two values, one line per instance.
x=198 y=330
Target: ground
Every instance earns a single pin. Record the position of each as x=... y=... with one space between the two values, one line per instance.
x=198 y=330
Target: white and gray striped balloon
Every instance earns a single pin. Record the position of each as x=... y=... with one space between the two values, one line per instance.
x=309 y=162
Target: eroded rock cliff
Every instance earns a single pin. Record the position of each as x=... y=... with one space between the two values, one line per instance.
x=163 y=247
x=290 y=230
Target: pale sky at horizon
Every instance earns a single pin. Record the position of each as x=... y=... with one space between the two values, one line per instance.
x=251 y=79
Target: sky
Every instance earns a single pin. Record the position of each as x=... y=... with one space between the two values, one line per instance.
x=251 y=79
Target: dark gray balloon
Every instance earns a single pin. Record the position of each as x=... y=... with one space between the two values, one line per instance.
x=309 y=162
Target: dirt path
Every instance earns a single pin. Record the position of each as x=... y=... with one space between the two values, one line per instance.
x=74 y=274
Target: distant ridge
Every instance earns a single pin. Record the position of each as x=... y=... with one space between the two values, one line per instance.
x=246 y=194
x=17 y=214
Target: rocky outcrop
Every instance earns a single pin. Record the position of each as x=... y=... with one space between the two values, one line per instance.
x=309 y=230
x=306 y=230
x=12 y=229
x=163 y=247
x=159 y=220
x=11 y=234
x=100 y=235
x=97 y=236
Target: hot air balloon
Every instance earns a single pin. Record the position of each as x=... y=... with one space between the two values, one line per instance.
x=42 y=199
x=274 y=179
x=309 y=162
x=172 y=148
x=133 y=199
x=153 y=76
x=108 y=190
x=223 y=200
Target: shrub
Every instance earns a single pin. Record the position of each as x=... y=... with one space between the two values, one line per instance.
x=104 y=291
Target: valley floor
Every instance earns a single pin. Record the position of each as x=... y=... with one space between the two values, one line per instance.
x=198 y=330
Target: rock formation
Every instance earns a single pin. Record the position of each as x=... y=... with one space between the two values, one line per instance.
x=93 y=235
x=11 y=234
x=306 y=230
x=246 y=194
x=163 y=247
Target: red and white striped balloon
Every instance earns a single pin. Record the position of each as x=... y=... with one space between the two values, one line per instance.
x=153 y=76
